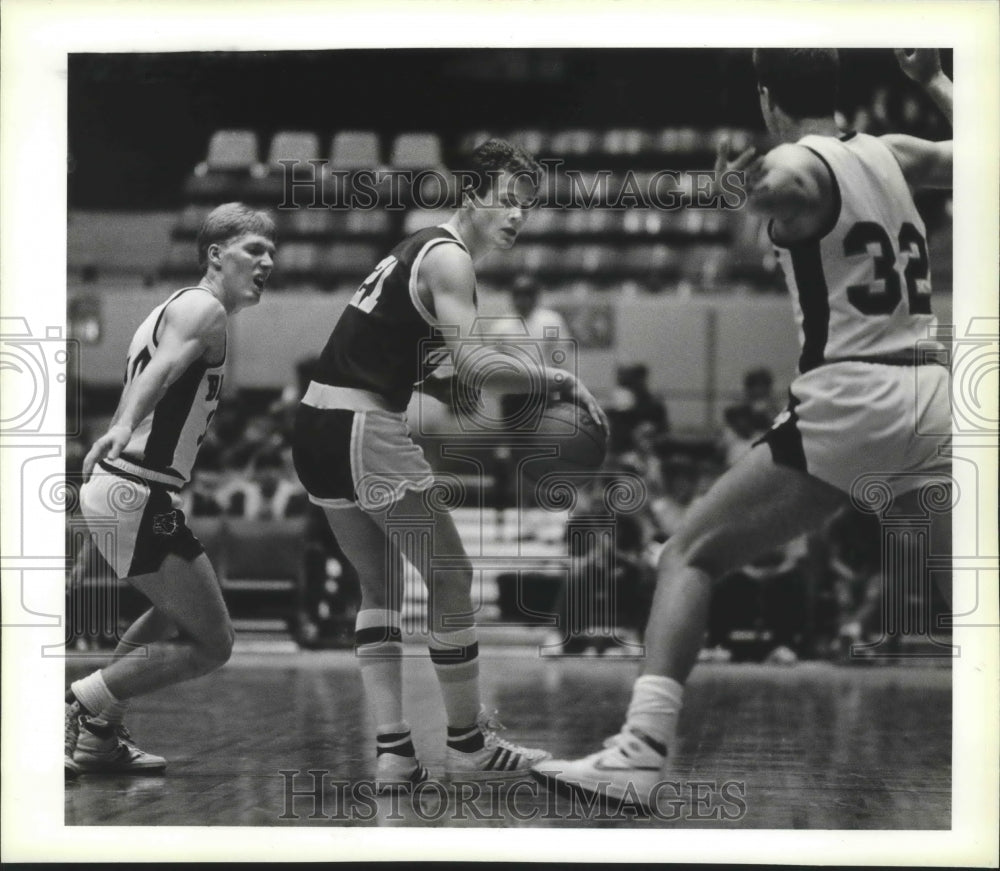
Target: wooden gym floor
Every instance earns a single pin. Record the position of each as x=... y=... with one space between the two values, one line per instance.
x=813 y=746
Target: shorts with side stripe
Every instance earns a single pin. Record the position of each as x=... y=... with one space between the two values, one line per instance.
x=348 y=457
x=854 y=421
x=135 y=523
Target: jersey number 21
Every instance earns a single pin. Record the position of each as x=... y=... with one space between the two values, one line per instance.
x=371 y=289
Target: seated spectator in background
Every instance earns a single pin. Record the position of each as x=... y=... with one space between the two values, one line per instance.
x=268 y=494
x=635 y=403
x=283 y=408
x=605 y=599
x=680 y=486
x=739 y=433
x=758 y=394
x=759 y=611
x=525 y=297
x=750 y=419
x=539 y=323
x=642 y=456
x=854 y=563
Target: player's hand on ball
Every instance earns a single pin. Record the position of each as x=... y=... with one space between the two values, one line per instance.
x=920 y=64
x=108 y=446
x=579 y=394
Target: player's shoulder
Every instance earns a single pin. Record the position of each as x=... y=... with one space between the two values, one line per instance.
x=195 y=310
x=795 y=157
x=447 y=263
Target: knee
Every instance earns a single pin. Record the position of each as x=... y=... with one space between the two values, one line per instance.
x=682 y=552
x=215 y=652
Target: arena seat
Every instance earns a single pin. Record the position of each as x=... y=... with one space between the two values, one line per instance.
x=624 y=141
x=191 y=220
x=293 y=145
x=574 y=142
x=299 y=258
x=349 y=259
x=355 y=149
x=265 y=185
x=261 y=569
x=366 y=222
x=232 y=156
x=416 y=151
x=181 y=261
x=298 y=223
x=231 y=151
x=418 y=219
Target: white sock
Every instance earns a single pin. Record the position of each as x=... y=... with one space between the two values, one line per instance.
x=655 y=706
x=93 y=693
x=115 y=714
x=456 y=662
x=379 y=648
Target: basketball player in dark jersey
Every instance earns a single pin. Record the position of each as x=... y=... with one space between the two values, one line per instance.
x=354 y=454
x=865 y=405
x=173 y=381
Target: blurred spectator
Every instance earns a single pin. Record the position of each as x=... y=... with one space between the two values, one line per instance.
x=604 y=601
x=198 y=499
x=267 y=494
x=525 y=297
x=680 y=483
x=633 y=402
x=514 y=408
x=750 y=419
x=854 y=561
x=642 y=456
x=284 y=407
x=739 y=433
x=759 y=611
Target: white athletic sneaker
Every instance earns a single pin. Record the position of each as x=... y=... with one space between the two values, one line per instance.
x=393 y=771
x=105 y=749
x=498 y=758
x=71 y=733
x=628 y=768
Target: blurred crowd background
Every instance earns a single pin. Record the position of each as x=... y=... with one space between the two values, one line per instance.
x=157 y=140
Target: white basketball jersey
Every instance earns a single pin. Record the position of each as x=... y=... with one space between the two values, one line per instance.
x=165 y=444
x=862 y=288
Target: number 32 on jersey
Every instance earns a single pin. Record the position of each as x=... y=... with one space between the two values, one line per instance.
x=371 y=288
x=883 y=295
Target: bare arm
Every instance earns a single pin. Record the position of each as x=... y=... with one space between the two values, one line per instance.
x=792 y=186
x=786 y=183
x=925 y=164
x=923 y=65
x=447 y=271
x=189 y=326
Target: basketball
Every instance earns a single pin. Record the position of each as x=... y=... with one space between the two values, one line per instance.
x=579 y=440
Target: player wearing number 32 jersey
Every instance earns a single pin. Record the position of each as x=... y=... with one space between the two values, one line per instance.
x=869 y=411
x=173 y=382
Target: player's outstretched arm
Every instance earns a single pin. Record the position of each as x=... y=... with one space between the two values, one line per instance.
x=787 y=183
x=448 y=272
x=923 y=65
x=925 y=164
x=189 y=326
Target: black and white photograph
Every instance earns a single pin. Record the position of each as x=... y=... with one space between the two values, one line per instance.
x=453 y=418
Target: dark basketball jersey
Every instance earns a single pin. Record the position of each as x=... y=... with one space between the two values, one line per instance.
x=387 y=339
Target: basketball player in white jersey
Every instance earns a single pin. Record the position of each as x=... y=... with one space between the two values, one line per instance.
x=853 y=250
x=173 y=381
x=354 y=454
